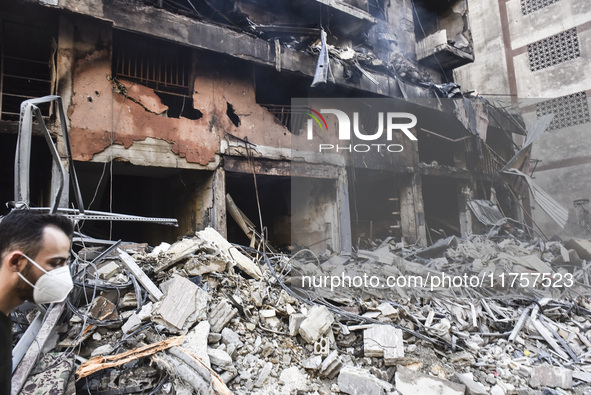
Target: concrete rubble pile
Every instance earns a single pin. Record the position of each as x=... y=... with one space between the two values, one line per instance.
x=205 y=316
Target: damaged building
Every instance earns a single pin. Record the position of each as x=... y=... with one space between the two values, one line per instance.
x=174 y=108
x=286 y=140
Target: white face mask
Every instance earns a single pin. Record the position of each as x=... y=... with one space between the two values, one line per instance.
x=53 y=286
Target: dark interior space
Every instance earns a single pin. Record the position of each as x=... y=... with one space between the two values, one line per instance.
x=145 y=191
x=374 y=205
x=26 y=49
x=440 y=198
x=40 y=172
x=275 y=203
x=434 y=148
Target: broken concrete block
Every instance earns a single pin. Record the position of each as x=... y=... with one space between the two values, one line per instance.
x=103 y=309
x=316 y=324
x=132 y=323
x=183 y=304
x=472 y=387
x=497 y=390
x=295 y=320
x=219 y=358
x=205 y=264
x=220 y=315
x=231 y=337
x=331 y=365
x=293 y=379
x=233 y=254
x=108 y=270
x=581 y=246
x=312 y=363
x=357 y=381
x=383 y=341
x=322 y=346
x=263 y=374
x=196 y=340
x=179 y=251
x=409 y=382
x=267 y=313
x=102 y=350
x=550 y=376
x=388 y=311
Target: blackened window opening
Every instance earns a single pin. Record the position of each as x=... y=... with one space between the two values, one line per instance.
x=25 y=70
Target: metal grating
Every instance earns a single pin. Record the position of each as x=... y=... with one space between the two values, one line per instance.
x=156 y=64
x=569 y=110
x=529 y=6
x=554 y=50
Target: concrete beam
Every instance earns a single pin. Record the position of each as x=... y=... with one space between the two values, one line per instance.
x=281 y=168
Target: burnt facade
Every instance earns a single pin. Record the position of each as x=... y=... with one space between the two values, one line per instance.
x=176 y=109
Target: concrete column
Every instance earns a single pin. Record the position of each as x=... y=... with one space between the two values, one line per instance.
x=344 y=212
x=412 y=212
x=218 y=218
x=464 y=195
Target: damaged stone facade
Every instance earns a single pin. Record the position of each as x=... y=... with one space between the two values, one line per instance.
x=185 y=103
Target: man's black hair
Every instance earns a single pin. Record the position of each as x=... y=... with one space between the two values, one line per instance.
x=23 y=230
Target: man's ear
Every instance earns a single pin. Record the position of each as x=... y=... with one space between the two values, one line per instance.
x=15 y=260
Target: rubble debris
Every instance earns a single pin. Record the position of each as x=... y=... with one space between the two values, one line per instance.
x=331 y=365
x=550 y=376
x=356 y=381
x=472 y=387
x=242 y=262
x=220 y=315
x=581 y=246
x=182 y=305
x=409 y=382
x=196 y=342
x=129 y=262
x=245 y=335
x=383 y=341
x=316 y=324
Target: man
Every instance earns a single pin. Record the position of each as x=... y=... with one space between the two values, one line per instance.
x=34 y=251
